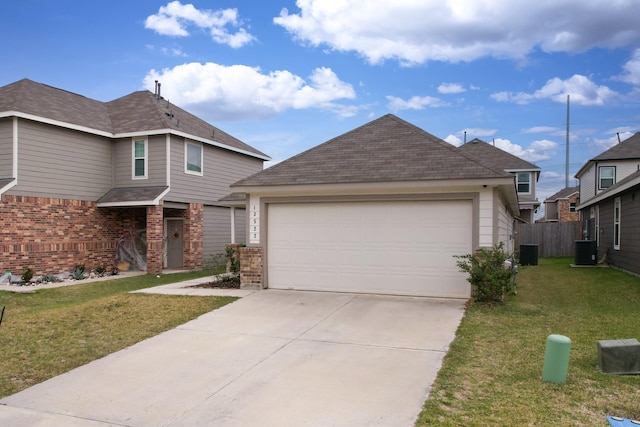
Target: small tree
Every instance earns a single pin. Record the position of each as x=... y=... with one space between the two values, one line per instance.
x=490 y=279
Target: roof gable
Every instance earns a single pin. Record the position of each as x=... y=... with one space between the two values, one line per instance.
x=137 y=112
x=627 y=149
x=496 y=156
x=46 y=101
x=565 y=193
x=387 y=149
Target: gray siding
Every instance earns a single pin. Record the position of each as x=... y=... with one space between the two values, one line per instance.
x=241 y=226
x=156 y=168
x=629 y=253
x=216 y=230
x=6 y=148
x=62 y=163
x=221 y=168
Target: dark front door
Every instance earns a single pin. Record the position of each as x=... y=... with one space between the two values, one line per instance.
x=175 y=243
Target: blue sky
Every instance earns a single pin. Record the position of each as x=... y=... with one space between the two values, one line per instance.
x=284 y=76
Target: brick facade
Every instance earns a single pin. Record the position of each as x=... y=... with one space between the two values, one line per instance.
x=53 y=235
x=251 y=267
x=564 y=213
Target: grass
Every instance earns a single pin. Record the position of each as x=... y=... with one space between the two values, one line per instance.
x=492 y=373
x=52 y=331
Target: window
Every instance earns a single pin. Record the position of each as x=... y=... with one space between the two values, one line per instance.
x=616 y=223
x=139 y=165
x=193 y=158
x=572 y=206
x=606 y=176
x=524 y=183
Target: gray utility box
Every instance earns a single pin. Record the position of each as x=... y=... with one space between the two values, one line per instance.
x=619 y=356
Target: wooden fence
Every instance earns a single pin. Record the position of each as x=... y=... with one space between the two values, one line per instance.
x=552 y=238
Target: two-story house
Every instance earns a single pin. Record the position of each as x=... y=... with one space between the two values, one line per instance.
x=527 y=174
x=610 y=203
x=562 y=206
x=89 y=182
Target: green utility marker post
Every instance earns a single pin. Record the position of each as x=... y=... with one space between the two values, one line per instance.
x=556 y=359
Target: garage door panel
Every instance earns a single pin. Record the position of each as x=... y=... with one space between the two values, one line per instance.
x=403 y=248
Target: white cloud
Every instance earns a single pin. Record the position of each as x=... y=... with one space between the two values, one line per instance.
x=541 y=129
x=478 y=133
x=413 y=32
x=581 y=89
x=414 y=103
x=538 y=150
x=606 y=143
x=239 y=92
x=631 y=73
x=454 y=140
x=447 y=88
x=175 y=18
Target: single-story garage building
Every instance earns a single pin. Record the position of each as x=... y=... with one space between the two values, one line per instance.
x=384 y=208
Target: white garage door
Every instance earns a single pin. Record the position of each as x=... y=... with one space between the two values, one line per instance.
x=400 y=248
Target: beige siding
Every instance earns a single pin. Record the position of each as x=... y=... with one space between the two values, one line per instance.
x=6 y=148
x=56 y=162
x=156 y=157
x=486 y=238
x=587 y=184
x=221 y=168
x=504 y=224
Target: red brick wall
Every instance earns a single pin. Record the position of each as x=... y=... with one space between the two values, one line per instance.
x=563 y=210
x=54 y=235
x=155 y=239
x=251 y=267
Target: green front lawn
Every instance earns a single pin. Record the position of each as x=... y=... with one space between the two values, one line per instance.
x=492 y=373
x=52 y=331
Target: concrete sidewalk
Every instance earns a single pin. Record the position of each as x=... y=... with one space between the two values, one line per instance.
x=272 y=358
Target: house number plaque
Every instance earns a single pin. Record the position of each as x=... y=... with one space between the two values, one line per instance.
x=254 y=222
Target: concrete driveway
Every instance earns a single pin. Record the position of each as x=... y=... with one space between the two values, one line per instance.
x=272 y=358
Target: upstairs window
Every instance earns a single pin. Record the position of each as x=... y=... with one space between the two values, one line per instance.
x=193 y=158
x=524 y=183
x=572 y=207
x=606 y=177
x=139 y=163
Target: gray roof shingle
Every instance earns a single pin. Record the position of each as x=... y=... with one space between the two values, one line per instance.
x=137 y=112
x=489 y=154
x=387 y=149
x=627 y=149
x=563 y=194
x=132 y=194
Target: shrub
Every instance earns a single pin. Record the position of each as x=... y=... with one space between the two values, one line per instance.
x=27 y=275
x=100 y=270
x=78 y=272
x=489 y=278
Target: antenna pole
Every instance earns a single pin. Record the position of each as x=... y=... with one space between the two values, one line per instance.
x=566 y=167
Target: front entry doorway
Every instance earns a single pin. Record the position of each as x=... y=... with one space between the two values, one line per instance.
x=174 y=238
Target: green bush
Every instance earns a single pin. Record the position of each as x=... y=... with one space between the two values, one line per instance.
x=27 y=275
x=490 y=280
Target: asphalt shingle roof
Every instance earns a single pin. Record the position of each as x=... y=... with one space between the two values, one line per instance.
x=388 y=149
x=563 y=194
x=137 y=112
x=132 y=194
x=495 y=156
x=627 y=149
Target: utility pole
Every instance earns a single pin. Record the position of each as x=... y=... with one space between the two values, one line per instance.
x=566 y=167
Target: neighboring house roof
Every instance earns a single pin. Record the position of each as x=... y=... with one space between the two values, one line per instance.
x=620 y=186
x=497 y=157
x=565 y=193
x=137 y=113
x=388 y=149
x=132 y=196
x=625 y=150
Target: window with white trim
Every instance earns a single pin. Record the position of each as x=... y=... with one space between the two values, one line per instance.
x=572 y=207
x=616 y=223
x=606 y=176
x=139 y=165
x=524 y=182
x=193 y=158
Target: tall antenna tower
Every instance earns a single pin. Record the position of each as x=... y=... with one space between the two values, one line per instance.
x=566 y=166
